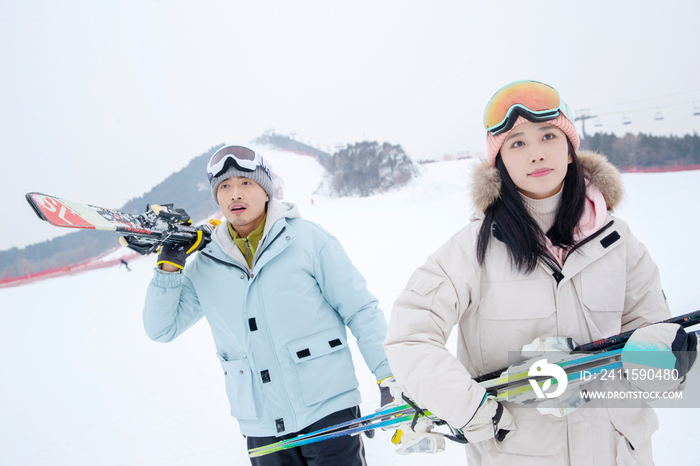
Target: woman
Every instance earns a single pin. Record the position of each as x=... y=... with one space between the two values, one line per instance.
x=543 y=258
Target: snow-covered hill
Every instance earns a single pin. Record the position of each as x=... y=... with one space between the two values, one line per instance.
x=81 y=384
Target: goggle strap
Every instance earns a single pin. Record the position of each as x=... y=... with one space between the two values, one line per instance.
x=230 y=160
x=240 y=152
x=520 y=111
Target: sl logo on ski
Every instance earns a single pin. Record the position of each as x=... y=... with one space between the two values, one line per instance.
x=59 y=214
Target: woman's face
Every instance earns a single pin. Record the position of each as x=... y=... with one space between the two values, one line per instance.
x=536 y=156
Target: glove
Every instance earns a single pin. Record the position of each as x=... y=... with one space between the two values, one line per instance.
x=385 y=397
x=415 y=436
x=390 y=390
x=491 y=420
x=419 y=439
x=658 y=357
x=176 y=254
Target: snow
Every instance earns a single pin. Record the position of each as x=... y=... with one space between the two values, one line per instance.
x=81 y=384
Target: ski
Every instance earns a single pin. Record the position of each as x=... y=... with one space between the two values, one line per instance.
x=503 y=388
x=607 y=344
x=573 y=374
x=142 y=232
x=519 y=373
x=513 y=384
x=319 y=437
x=368 y=420
x=406 y=413
x=617 y=341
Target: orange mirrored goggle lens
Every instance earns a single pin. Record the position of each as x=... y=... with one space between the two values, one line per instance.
x=533 y=95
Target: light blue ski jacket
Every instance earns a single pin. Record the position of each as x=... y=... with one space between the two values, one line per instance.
x=280 y=328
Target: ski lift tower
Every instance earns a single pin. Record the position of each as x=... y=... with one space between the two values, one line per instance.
x=583 y=116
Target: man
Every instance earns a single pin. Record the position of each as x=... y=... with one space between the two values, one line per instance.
x=278 y=292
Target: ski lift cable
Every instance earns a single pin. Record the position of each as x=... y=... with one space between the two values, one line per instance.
x=646 y=99
x=655 y=107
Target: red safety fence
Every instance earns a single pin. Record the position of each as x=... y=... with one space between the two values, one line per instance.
x=91 y=264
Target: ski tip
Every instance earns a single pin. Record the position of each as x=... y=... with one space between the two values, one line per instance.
x=32 y=200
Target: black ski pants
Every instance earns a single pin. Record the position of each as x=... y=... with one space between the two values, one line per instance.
x=342 y=451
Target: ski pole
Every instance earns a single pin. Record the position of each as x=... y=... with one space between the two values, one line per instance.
x=684 y=321
x=610 y=343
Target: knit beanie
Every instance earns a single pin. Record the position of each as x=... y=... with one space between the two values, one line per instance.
x=494 y=143
x=260 y=176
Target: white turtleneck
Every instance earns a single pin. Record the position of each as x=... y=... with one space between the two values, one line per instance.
x=544 y=211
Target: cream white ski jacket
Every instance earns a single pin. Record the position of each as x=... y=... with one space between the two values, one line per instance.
x=610 y=285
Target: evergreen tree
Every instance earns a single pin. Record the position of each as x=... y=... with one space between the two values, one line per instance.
x=367 y=168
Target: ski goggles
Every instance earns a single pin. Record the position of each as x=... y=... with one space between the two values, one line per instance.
x=242 y=158
x=533 y=100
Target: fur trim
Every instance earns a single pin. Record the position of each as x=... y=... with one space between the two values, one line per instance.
x=486 y=181
x=604 y=176
x=486 y=186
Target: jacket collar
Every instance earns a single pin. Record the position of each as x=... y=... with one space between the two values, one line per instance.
x=595 y=247
x=486 y=181
x=277 y=213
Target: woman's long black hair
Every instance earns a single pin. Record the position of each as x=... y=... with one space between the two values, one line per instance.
x=511 y=223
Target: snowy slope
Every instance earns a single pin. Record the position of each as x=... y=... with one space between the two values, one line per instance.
x=81 y=384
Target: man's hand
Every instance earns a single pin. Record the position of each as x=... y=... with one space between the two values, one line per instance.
x=172 y=256
x=390 y=390
x=385 y=397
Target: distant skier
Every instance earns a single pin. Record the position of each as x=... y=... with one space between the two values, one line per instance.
x=278 y=293
x=543 y=258
x=125 y=264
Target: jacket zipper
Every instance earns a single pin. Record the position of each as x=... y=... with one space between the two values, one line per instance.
x=261 y=247
x=247 y=245
x=249 y=274
x=590 y=238
x=554 y=266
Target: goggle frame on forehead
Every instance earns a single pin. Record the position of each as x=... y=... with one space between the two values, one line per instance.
x=517 y=108
x=241 y=157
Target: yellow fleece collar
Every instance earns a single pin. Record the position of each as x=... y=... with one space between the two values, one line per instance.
x=249 y=244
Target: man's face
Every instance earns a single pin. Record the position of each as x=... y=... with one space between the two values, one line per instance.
x=242 y=201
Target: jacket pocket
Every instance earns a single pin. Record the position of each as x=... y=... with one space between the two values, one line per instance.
x=416 y=302
x=636 y=422
x=324 y=365
x=512 y=314
x=423 y=283
x=603 y=296
x=239 y=387
x=523 y=299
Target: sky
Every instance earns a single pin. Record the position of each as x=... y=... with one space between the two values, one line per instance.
x=100 y=101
